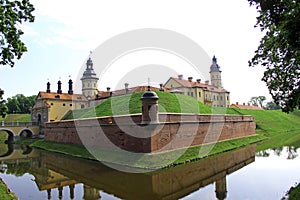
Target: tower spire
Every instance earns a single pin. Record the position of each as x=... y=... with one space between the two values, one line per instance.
x=215 y=73
x=89 y=79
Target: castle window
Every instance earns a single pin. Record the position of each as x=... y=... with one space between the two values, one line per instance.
x=192 y=94
x=227 y=98
x=217 y=98
x=64 y=104
x=199 y=94
x=188 y=93
x=214 y=97
x=82 y=105
x=51 y=104
x=221 y=98
x=70 y=104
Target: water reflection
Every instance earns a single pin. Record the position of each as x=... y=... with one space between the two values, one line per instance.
x=53 y=171
x=64 y=177
x=289 y=151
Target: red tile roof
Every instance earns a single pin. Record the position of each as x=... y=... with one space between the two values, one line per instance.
x=247 y=107
x=63 y=96
x=187 y=83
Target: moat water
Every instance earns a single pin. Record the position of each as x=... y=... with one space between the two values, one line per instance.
x=241 y=174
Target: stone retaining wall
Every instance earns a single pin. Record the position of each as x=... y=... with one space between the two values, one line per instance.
x=174 y=131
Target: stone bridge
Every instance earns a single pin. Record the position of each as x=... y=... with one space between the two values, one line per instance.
x=19 y=129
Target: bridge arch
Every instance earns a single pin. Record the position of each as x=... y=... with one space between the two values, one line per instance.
x=25 y=132
x=10 y=133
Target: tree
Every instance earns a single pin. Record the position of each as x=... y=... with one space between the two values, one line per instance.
x=279 y=49
x=12 y=14
x=3 y=107
x=261 y=100
x=20 y=104
x=13 y=106
x=272 y=106
x=254 y=101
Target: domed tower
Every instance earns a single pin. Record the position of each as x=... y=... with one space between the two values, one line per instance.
x=215 y=73
x=89 y=80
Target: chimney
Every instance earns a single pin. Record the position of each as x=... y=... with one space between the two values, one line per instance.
x=237 y=103
x=126 y=87
x=108 y=89
x=207 y=82
x=59 y=91
x=48 y=87
x=161 y=87
x=190 y=79
x=180 y=77
x=198 y=80
x=70 y=91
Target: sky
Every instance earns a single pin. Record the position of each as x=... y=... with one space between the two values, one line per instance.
x=64 y=32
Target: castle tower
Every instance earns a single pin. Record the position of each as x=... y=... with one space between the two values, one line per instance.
x=215 y=73
x=89 y=80
x=149 y=107
x=221 y=188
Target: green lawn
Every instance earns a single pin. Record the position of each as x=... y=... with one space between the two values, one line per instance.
x=16 y=118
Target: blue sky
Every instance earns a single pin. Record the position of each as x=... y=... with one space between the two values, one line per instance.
x=64 y=32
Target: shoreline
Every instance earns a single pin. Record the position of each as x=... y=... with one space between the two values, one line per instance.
x=5 y=192
x=153 y=161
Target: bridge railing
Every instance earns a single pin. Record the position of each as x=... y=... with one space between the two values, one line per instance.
x=18 y=123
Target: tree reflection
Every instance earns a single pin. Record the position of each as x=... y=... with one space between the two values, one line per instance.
x=277 y=151
x=292 y=152
x=264 y=153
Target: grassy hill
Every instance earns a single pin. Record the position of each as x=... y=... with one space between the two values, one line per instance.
x=16 y=118
x=131 y=104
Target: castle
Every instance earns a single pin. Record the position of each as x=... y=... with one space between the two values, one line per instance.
x=211 y=94
x=53 y=106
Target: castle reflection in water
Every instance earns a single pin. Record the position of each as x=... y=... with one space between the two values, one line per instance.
x=57 y=172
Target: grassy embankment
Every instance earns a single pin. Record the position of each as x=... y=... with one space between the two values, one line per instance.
x=273 y=126
x=16 y=118
x=5 y=193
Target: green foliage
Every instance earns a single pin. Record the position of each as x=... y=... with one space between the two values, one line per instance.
x=20 y=104
x=3 y=107
x=272 y=106
x=12 y=14
x=131 y=104
x=255 y=101
x=279 y=50
x=18 y=168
